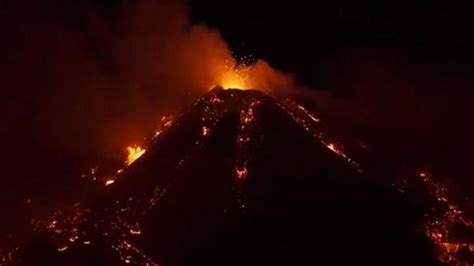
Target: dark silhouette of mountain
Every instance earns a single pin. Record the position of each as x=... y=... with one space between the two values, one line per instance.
x=238 y=179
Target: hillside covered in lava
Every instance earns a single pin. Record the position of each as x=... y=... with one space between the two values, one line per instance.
x=243 y=178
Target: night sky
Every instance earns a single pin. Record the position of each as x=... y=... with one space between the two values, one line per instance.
x=405 y=67
x=397 y=74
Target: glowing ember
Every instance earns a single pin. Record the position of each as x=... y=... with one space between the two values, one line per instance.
x=60 y=249
x=215 y=100
x=440 y=219
x=134 y=231
x=134 y=153
x=241 y=173
x=205 y=131
x=331 y=147
x=109 y=182
x=166 y=122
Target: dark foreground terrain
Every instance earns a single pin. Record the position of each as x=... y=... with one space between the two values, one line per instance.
x=239 y=179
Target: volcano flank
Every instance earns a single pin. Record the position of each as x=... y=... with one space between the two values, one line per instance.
x=240 y=178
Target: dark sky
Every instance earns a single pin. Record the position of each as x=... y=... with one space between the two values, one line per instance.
x=300 y=36
x=398 y=73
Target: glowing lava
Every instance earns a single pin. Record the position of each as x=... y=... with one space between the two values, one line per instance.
x=236 y=78
x=134 y=152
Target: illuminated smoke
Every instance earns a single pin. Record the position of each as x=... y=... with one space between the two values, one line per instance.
x=147 y=61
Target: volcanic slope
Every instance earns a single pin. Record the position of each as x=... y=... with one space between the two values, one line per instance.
x=239 y=179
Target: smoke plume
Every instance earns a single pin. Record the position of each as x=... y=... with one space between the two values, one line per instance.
x=100 y=83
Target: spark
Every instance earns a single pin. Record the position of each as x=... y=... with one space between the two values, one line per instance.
x=205 y=131
x=109 y=182
x=158 y=133
x=214 y=99
x=52 y=224
x=135 y=231
x=166 y=122
x=93 y=170
x=241 y=172
x=331 y=147
x=61 y=249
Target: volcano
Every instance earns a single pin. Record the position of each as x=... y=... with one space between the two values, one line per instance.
x=240 y=178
